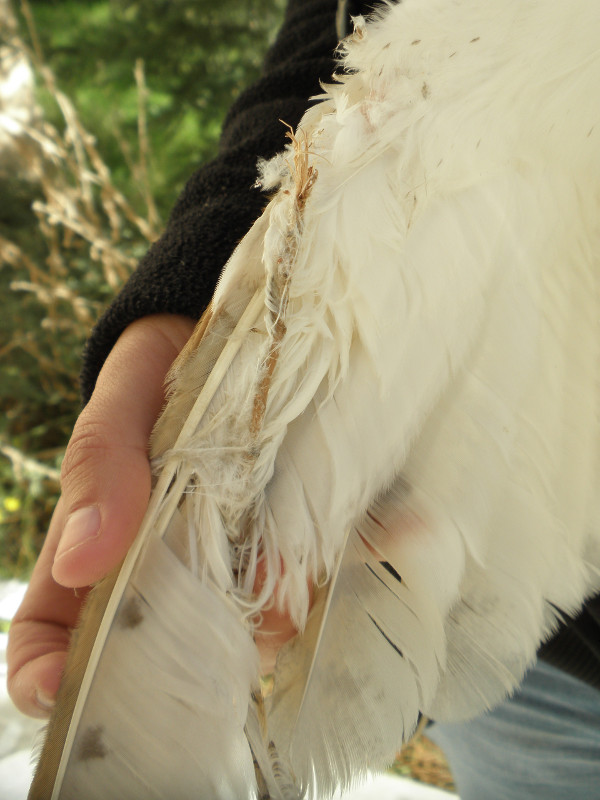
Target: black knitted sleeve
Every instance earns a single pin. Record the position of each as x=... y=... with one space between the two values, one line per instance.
x=219 y=205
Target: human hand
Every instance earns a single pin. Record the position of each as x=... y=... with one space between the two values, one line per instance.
x=105 y=490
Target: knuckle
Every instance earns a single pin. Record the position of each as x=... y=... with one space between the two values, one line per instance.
x=89 y=443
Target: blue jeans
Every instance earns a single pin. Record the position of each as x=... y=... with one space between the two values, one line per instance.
x=541 y=744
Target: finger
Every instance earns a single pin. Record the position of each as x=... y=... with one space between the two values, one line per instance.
x=276 y=626
x=107 y=469
x=39 y=633
x=106 y=475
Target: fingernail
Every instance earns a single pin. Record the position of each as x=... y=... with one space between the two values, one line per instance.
x=81 y=526
x=44 y=701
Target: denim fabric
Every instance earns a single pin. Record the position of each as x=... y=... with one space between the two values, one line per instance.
x=541 y=744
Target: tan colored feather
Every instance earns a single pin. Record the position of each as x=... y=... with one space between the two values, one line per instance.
x=80 y=649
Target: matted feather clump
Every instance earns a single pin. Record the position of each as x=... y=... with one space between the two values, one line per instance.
x=393 y=398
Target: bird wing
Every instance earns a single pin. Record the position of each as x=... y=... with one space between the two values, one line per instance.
x=397 y=404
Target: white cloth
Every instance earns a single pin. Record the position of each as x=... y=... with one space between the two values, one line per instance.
x=17 y=732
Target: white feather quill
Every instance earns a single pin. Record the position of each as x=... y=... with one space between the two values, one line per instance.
x=397 y=402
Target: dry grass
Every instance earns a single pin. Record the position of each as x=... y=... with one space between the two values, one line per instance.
x=79 y=248
x=423 y=761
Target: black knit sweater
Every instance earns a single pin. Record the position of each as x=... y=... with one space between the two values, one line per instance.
x=218 y=206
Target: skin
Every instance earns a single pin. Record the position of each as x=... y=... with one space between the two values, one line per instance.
x=105 y=468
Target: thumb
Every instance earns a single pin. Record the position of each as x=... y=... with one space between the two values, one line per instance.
x=105 y=476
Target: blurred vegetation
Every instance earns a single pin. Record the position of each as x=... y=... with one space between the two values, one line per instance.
x=197 y=56
x=129 y=99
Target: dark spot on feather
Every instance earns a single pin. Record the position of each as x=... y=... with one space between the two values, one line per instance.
x=476 y=39
x=380 y=579
x=416 y=41
x=261 y=783
x=256 y=696
x=589 y=133
x=425 y=91
x=386 y=565
x=372 y=571
x=91 y=744
x=452 y=54
x=477 y=145
x=131 y=615
x=386 y=637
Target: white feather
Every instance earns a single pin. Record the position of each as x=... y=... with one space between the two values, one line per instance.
x=414 y=383
x=178 y=650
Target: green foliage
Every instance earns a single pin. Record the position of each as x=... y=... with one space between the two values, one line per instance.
x=197 y=54
x=152 y=80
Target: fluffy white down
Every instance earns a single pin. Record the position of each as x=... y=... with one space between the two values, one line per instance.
x=450 y=252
